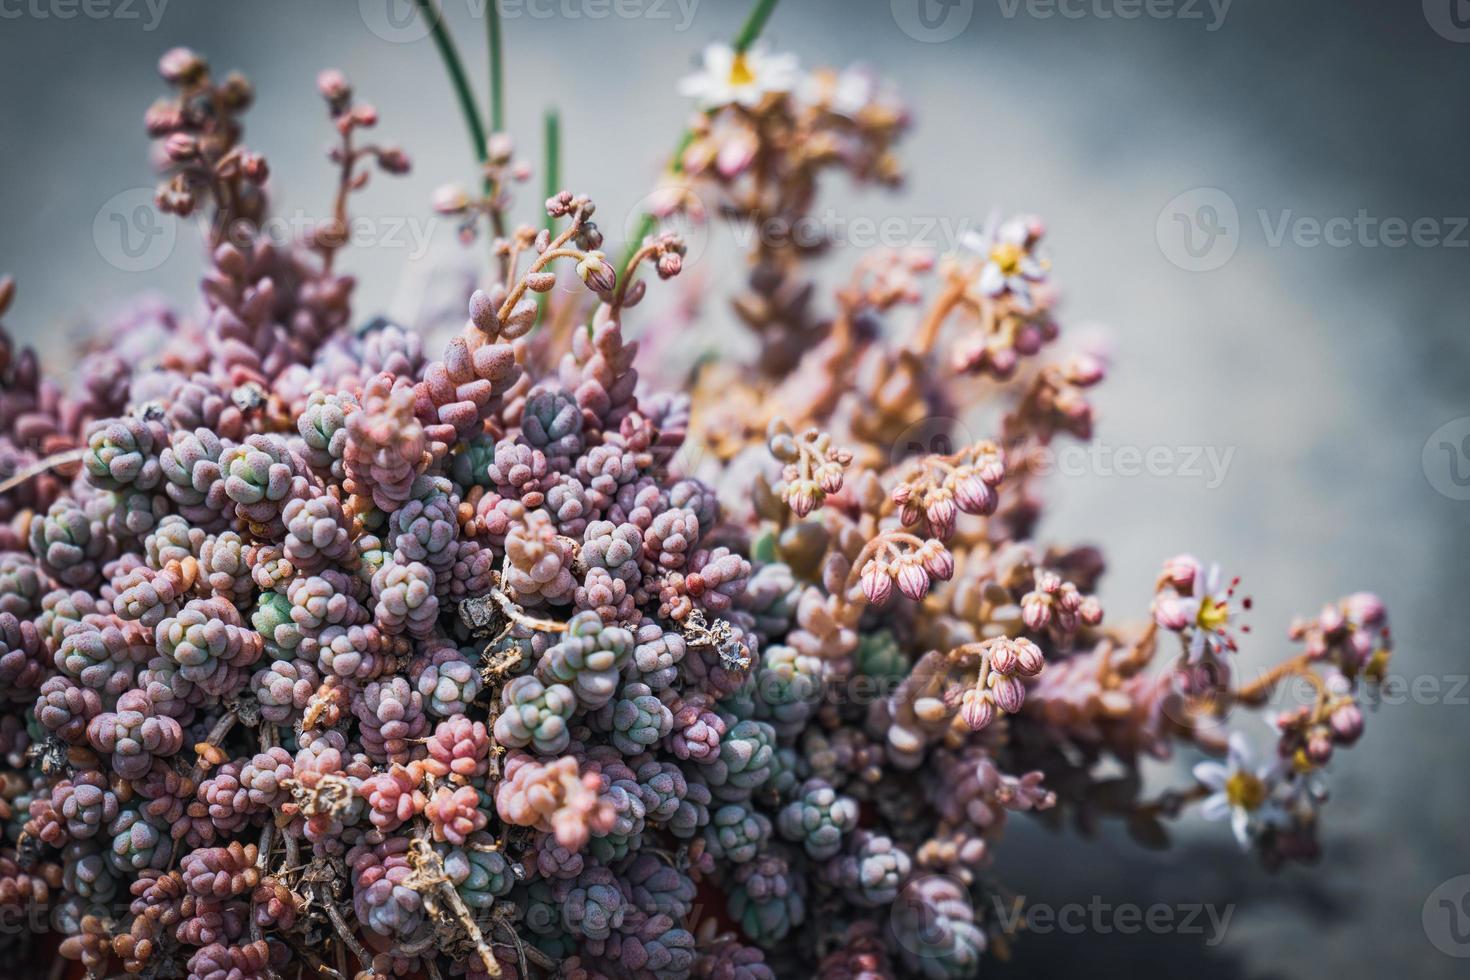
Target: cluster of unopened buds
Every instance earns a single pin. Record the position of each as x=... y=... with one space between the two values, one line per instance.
x=200 y=130
x=813 y=467
x=912 y=564
x=500 y=169
x=329 y=648
x=999 y=684
x=937 y=489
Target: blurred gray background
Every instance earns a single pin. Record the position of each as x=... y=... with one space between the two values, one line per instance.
x=1332 y=370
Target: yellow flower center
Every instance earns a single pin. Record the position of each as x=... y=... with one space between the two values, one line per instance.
x=740 y=73
x=1245 y=790
x=1008 y=256
x=1212 y=615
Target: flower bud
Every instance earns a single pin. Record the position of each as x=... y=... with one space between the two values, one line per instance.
x=938 y=561
x=450 y=199
x=1319 y=747
x=162 y=118
x=557 y=206
x=802 y=496
x=913 y=581
x=1091 y=611
x=1009 y=692
x=1366 y=609
x=1029 y=659
x=736 y=153
x=877 y=585
x=669 y=265
x=1347 y=723
x=394 y=161
x=977 y=710
x=181 y=66
x=829 y=476
x=254 y=168
x=596 y=273
x=1171 y=612
x=1003 y=360
x=1181 y=572
x=1035 y=611
x=975 y=496
x=941 y=517
x=1003 y=659
x=334 y=88
x=181 y=147
x=1361 y=645
x=589 y=236
x=499 y=148
x=1085 y=370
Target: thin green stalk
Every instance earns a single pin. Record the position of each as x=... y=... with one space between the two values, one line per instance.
x=749 y=32
x=497 y=68
x=754 y=24
x=552 y=185
x=450 y=56
x=553 y=156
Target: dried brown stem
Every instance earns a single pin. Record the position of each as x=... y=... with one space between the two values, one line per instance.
x=347 y=936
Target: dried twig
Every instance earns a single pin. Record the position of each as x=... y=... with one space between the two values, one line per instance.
x=430 y=879
x=348 y=938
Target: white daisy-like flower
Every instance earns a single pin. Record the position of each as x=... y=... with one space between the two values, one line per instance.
x=1240 y=792
x=730 y=78
x=1011 y=263
x=1209 y=612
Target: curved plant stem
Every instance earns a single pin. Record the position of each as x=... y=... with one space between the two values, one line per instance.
x=497 y=67
x=450 y=55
